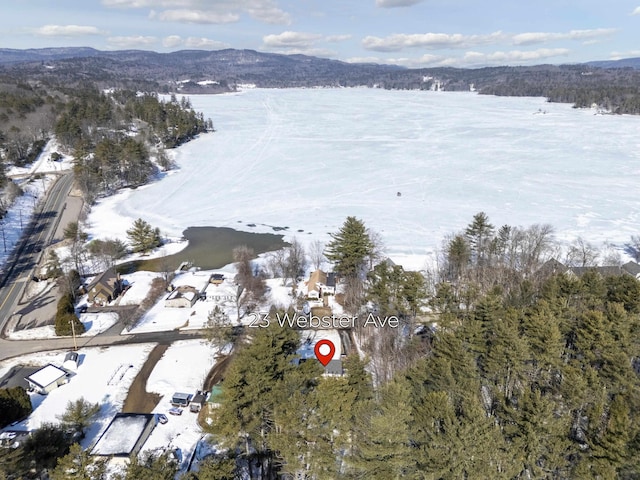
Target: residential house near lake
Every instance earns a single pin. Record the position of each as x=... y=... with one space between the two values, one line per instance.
x=553 y=266
x=105 y=287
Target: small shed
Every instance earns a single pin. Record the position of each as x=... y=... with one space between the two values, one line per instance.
x=197 y=402
x=47 y=379
x=71 y=361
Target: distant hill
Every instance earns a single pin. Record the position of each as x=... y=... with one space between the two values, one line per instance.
x=606 y=84
x=622 y=63
x=10 y=55
x=175 y=69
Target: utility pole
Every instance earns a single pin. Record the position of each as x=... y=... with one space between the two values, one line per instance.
x=73 y=332
x=4 y=240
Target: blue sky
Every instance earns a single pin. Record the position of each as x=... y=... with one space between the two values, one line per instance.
x=413 y=33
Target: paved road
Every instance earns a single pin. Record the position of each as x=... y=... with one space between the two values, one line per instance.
x=20 y=269
x=20 y=266
x=14 y=348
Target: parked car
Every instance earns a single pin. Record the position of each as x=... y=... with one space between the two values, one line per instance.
x=175 y=411
x=162 y=418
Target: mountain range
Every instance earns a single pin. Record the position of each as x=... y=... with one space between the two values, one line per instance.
x=613 y=85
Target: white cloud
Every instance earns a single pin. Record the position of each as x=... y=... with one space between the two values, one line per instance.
x=291 y=40
x=67 y=30
x=194 y=16
x=133 y=41
x=396 y=3
x=207 y=11
x=337 y=38
x=468 y=59
x=636 y=11
x=172 y=41
x=627 y=54
x=401 y=41
x=544 y=37
x=204 y=43
x=314 y=52
x=397 y=42
x=364 y=60
x=267 y=12
x=526 y=56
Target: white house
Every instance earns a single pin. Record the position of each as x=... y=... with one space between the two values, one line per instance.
x=182 y=297
x=47 y=379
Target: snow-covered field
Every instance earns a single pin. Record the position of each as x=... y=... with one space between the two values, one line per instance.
x=183 y=368
x=413 y=165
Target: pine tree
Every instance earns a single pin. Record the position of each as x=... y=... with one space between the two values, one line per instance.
x=479 y=234
x=383 y=442
x=458 y=257
x=67 y=322
x=251 y=390
x=214 y=467
x=79 y=414
x=539 y=435
x=349 y=248
x=15 y=404
x=79 y=465
x=143 y=237
x=151 y=467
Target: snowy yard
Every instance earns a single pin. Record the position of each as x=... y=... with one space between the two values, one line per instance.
x=162 y=318
x=183 y=368
x=103 y=376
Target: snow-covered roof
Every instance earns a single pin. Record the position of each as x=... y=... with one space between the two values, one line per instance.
x=189 y=295
x=122 y=434
x=225 y=288
x=46 y=376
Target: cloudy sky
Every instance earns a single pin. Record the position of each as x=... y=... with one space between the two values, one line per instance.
x=413 y=33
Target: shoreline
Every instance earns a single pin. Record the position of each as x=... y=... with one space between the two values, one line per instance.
x=208 y=248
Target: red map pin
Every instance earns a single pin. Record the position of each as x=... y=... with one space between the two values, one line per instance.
x=324 y=351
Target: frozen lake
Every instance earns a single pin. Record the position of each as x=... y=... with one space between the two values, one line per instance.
x=306 y=159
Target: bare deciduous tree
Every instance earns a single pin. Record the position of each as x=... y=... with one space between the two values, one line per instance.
x=251 y=287
x=377 y=247
x=582 y=254
x=316 y=254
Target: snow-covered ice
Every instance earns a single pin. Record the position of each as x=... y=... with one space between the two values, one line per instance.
x=414 y=166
